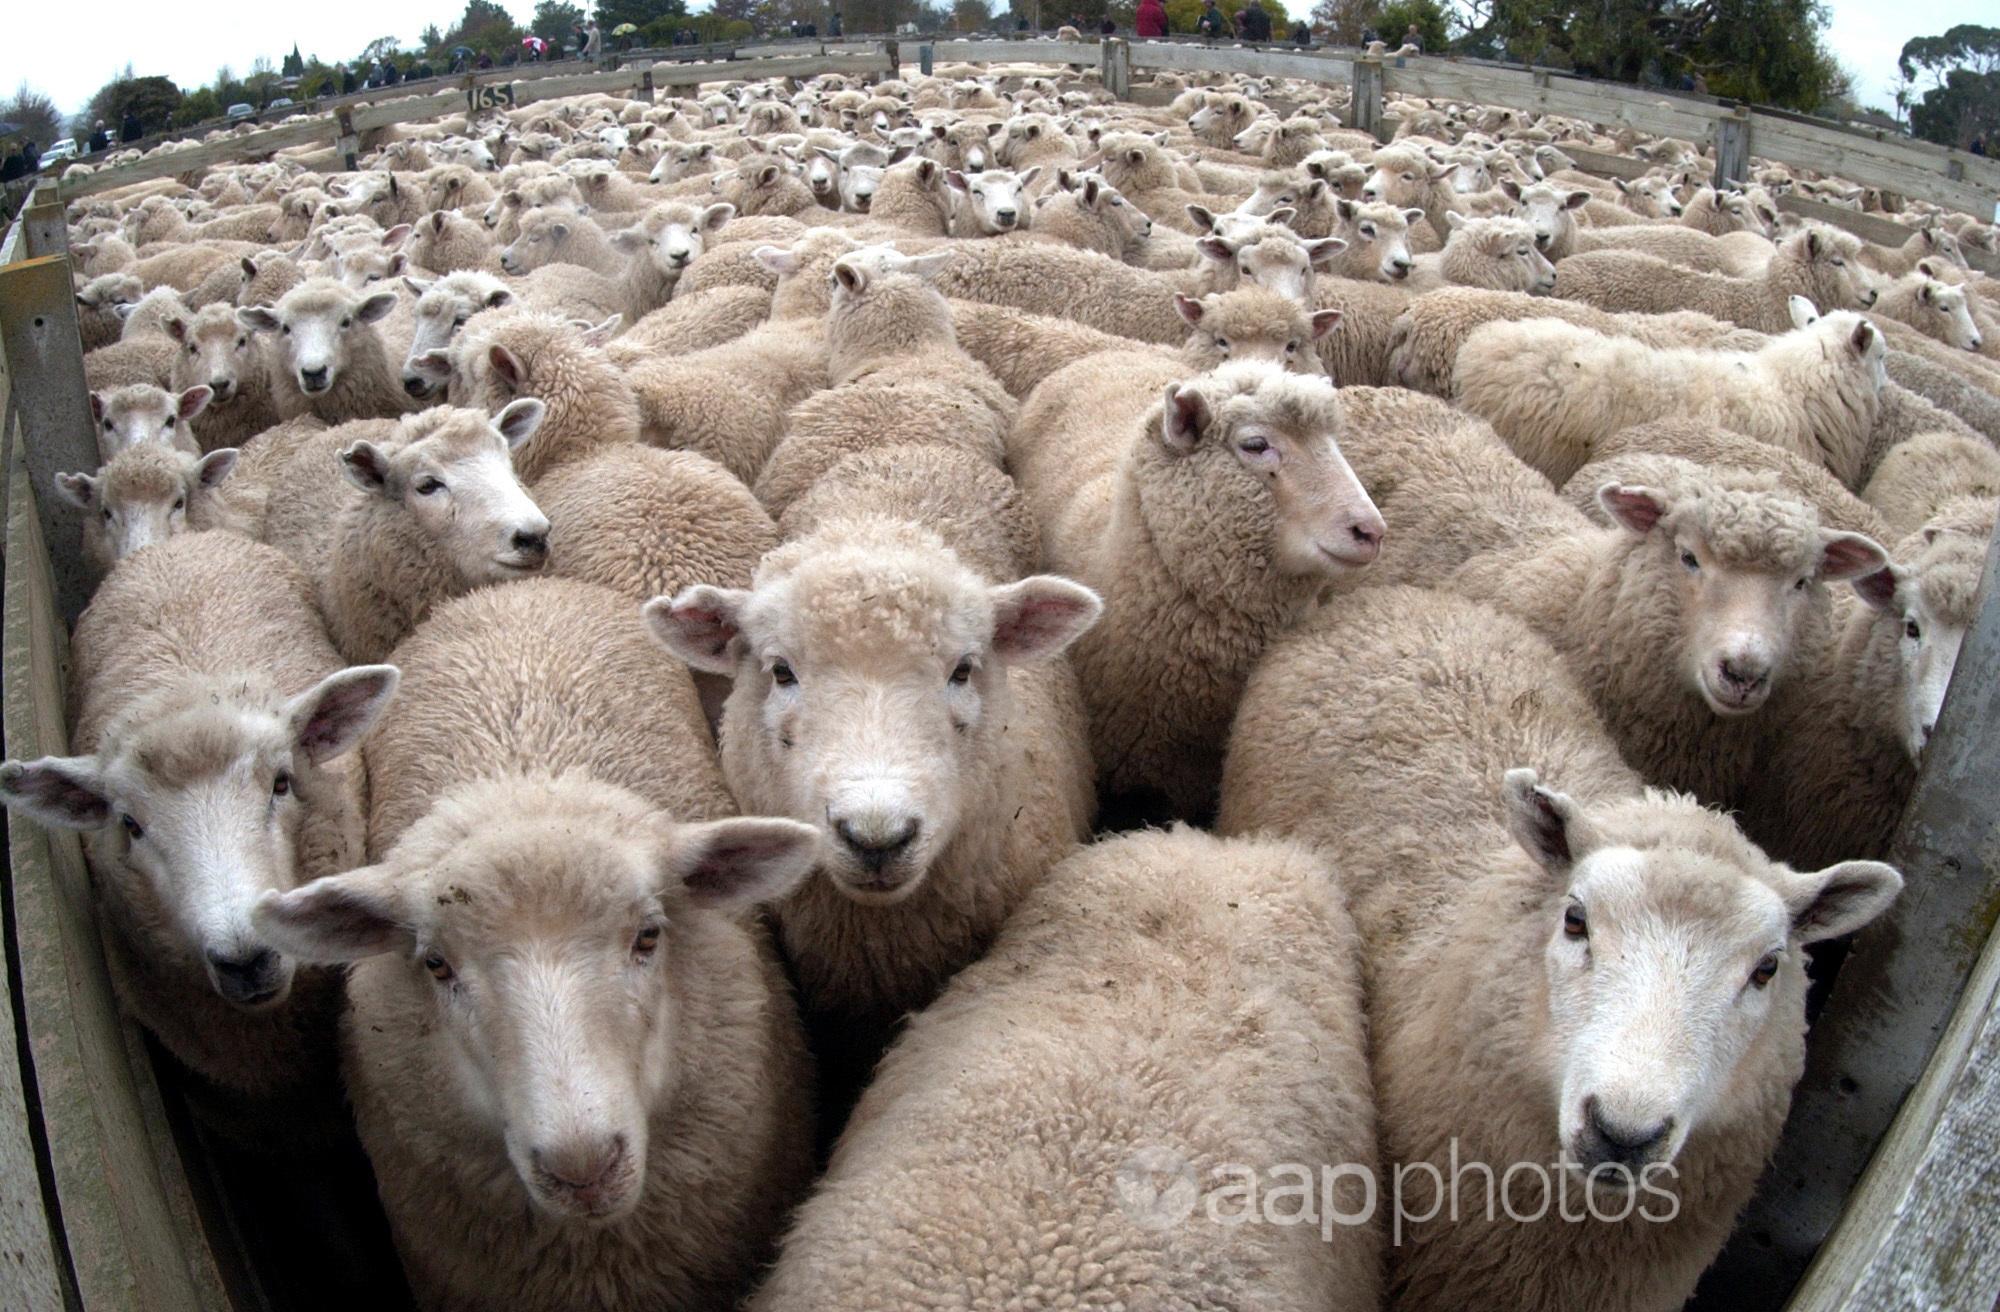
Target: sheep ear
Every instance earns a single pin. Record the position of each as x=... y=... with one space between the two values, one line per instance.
x=249 y=266
x=97 y=406
x=1637 y=509
x=777 y=259
x=178 y=330
x=1202 y=217
x=258 y=319
x=597 y=334
x=1184 y=417
x=1804 y=313
x=498 y=297
x=1321 y=251
x=1547 y=824
x=366 y=467
x=1039 y=616
x=328 y=719
x=1862 y=337
x=767 y=175
x=1839 y=899
x=1188 y=308
x=1346 y=208
x=1283 y=214
x=956 y=179
x=630 y=239
x=193 y=401
x=1215 y=248
x=417 y=285
x=62 y=792
x=518 y=420
x=337 y=919
x=733 y=864
x=80 y=490
x=1879 y=587
x=1813 y=243
x=1028 y=178
x=397 y=235
x=715 y=216
x=1576 y=200
x=701 y=626
x=376 y=307
x=212 y=469
x=1511 y=188
x=506 y=364
x=1844 y=556
x=1324 y=322
x=851 y=276
x=434 y=365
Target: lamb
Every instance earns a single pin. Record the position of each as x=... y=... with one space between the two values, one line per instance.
x=660 y=246
x=512 y=353
x=1407 y=178
x=760 y=187
x=993 y=202
x=445 y=241
x=1425 y=339
x=1692 y=623
x=1840 y=768
x=1935 y=309
x=974 y=507
x=1498 y=254
x=918 y=715
x=444 y=306
x=1719 y=213
x=912 y=196
x=212 y=714
x=1925 y=243
x=898 y=377
x=97 y=318
x=1250 y=452
x=222 y=355
x=141 y=413
x=556 y=235
x=1088 y=213
x=1086 y=1110
x=427 y=511
x=1147 y=176
x=1378 y=241
x=1551 y=389
x=1919 y=477
x=1490 y=839
x=146 y=494
x=1819 y=264
x=616 y=1114
x=1315 y=206
x=330 y=361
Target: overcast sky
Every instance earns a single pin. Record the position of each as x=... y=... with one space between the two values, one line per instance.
x=69 y=54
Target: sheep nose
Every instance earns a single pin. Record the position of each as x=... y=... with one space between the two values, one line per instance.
x=247 y=978
x=1624 y=1144
x=1745 y=675
x=416 y=387
x=222 y=387
x=679 y=258
x=1368 y=193
x=582 y=1164
x=875 y=844
x=314 y=380
x=1006 y=217
x=535 y=546
x=1929 y=729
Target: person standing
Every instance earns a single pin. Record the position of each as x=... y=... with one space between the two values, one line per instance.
x=1254 y=23
x=1151 y=19
x=100 y=140
x=1413 y=40
x=1302 y=35
x=1213 y=23
x=131 y=129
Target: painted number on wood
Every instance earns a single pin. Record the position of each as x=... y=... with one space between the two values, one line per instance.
x=492 y=95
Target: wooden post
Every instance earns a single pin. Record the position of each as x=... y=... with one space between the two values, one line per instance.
x=926 y=57
x=1366 y=111
x=646 y=85
x=45 y=363
x=894 y=49
x=1732 y=150
x=1115 y=66
x=1895 y=992
x=348 y=143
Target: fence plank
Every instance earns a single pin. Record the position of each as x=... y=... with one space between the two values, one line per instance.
x=1897 y=989
x=172 y=163
x=1869 y=162
x=44 y=349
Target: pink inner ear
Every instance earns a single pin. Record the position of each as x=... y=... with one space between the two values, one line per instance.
x=1877 y=589
x=705 y=627
x=1036 y=624
x=1845 y=557
x=1635 y=508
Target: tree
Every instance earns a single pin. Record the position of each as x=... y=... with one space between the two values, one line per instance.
x=639 y=13
x=153 y=99
x=39 y=119
x=1181 y=14
x=432 y=38
x=1973 y=49
x=1396 y=18
x=1341 y=21
x=295 y=65
x=197 y=107
x=554 y=20
x=971 y=15
x=485 y=27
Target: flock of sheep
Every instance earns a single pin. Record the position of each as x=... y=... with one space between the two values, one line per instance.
x=572 y=683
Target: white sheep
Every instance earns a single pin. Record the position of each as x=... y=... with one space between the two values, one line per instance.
x=327 y=359
x=140 y=413
x=146 y=494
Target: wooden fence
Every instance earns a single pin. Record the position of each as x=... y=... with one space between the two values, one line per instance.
x=1893 y=1124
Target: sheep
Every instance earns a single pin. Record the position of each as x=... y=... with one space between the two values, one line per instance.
x=146 y=494
x=330 y=361
x=919 y=715
x=760 y=187
x=1247 y=450
x=445 y=241
x=1406 y=178
x=1090 y=214
x=568 y=1047
x=511 y=353
x=1314 y=204
x=974 y=507
x=426 y=511
x=993 y=202
x=1918 y=477
x=1691 y=622
x=1635 y=454
x=211 y=716
x=1147 y=176
x=141 y=413
x=1551 y=212
x=1491 y=840
x=1720 y=212
x=913 y=197
x=1923 y=244
x=1085 y=1110
x=1551 y=389
x=693 y=323
x=555 y=235
x=1498 y=254
x=1819 y=264
x=660 y=246
x=222 y=355
x=443 y=307
x=1426 y=337
x=1933 y=308
x=1839 y=769
x=1960 y=396
x=97 y=302
x=1378 y=241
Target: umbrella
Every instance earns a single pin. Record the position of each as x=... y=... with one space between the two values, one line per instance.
x=463 y=50
x=625 y=29
x=534 y=43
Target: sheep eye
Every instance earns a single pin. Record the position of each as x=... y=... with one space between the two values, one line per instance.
x=242 y=342
x=194 y=350
x=1913 y=631
x=1253 y=446
x=458 y=322
x=439 y=968
x=1766 y=970
x=132 y=828
x=1222 y=343
x=180 y=503
x=961 y=673
x=107 y=514
x=1575 y=925
x=282 y=785
x=286 y=329
x=1368 y=232
x=781 y=674
x=647 y=940
x=1801 y=585
x=429 y=486
x=170 y=422
x=1291 y=348
x=1687 y=559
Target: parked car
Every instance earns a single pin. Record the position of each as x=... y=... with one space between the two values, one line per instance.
x=59 y=150
x=282 y=102
x=240 y=111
